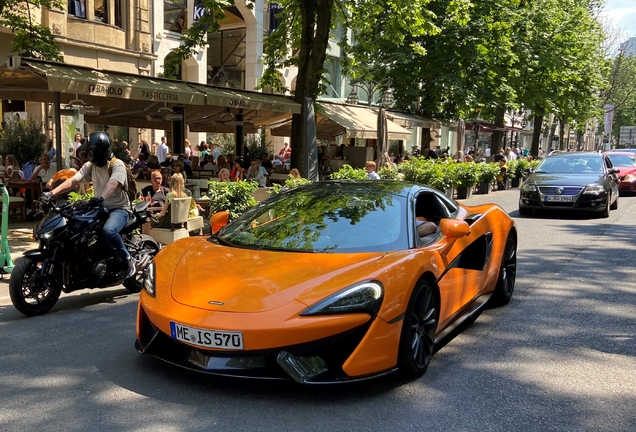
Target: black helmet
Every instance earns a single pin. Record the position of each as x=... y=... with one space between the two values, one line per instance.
x=98 y=148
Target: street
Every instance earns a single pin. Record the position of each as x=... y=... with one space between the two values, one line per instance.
x=561 y=356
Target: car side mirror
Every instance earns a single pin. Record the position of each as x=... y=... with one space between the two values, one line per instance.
x=614 y=171
x=218 y=221
x=453 y=228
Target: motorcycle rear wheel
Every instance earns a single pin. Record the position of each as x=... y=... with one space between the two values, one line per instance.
x=147 y=246
x=28 y=299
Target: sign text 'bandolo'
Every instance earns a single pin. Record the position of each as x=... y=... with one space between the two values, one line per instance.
x=106 y=90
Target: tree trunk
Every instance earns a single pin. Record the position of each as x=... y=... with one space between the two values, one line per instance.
x=561 y=127
x=426 y=139
x=497 y=135
x=536 y=134
x=316 y=26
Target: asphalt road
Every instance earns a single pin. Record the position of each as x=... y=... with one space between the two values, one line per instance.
x=561 y=356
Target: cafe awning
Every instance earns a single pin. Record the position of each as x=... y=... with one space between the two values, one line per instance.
x=350 y=121
x=411 y=120
x=142 y=101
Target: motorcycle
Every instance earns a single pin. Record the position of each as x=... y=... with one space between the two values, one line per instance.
x=73 y=255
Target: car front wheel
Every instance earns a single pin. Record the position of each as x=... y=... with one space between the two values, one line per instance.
x=417 y=341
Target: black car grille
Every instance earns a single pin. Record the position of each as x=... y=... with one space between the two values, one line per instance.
x=565 y=190
x=558 y=204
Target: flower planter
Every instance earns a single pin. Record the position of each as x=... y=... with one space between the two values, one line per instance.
x=484 y=188
x=464 y=192
x=516 y=182
x=450 y=192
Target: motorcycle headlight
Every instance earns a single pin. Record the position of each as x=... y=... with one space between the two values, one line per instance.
x=365 y=297
x=629 y=177
x=594 y=189
x=149 y=280
x=46 y=235
x=529 y=187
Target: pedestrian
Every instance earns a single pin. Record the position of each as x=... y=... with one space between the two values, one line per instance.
x=162 y=150
x=371 y=174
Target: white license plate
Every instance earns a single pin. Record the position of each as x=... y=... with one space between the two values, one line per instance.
x=559 y=198
x=207 y=338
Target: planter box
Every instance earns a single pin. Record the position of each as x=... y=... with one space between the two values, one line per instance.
x=516 y=182
x=450 y=193
x=484 y=188
x=464 y=192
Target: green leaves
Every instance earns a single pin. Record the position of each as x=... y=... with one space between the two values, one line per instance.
x=233 y=197
x=30 y=38
x=347 y=172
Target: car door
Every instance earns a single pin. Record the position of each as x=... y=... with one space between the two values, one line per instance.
x=464 y=260
x=612 y=179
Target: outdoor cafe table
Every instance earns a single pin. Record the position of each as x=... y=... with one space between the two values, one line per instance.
x=33 y=185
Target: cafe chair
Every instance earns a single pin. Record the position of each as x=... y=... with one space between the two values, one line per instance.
x=179 y=211
x=16 y=203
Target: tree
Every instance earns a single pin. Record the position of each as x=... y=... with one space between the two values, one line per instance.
x=30 y=37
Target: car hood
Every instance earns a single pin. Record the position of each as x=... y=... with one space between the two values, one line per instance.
x=248 y=280
x=570 y=179
x=626 y=170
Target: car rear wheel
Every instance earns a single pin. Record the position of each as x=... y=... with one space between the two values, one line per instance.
x=507 y=273
x=417 y=341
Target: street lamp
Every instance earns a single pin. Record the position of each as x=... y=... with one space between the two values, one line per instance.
x=370 y=87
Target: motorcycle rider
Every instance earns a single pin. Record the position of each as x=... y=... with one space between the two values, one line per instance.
x=109 y=190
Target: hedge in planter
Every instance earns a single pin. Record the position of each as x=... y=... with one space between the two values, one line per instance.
x=290 y=183
x=486 y=175
x=347 y=172
x=233 y=197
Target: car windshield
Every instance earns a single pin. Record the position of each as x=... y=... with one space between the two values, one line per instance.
x=622 y=160
x=571 y=164
x=326 y=219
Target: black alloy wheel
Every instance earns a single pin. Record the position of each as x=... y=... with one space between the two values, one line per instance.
x=507 y=273
x=417 y=341
x=147 y=248
x=31 y=293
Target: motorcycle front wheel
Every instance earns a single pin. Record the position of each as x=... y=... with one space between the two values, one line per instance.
x=31 y=293
x=147 y=248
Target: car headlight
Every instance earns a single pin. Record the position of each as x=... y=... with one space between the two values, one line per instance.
x=529 y=187
x=594 y=189
x=629 y=177
x=362 y=297
x=149 y=280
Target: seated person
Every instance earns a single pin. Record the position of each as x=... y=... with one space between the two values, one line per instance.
x=44 y=171
x=211 y=166
x=168 y=162
x=277 y=162
x=155 y=191
x=176 y=191
x=254 y=173
x=141 y=163
x=186 y=166
x=266 y=163
x=424 y=227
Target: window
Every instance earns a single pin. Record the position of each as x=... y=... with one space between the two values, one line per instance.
x=174 y=15
x=226 y=58
x=77 y=8
x=101 y=10
x=119 y=20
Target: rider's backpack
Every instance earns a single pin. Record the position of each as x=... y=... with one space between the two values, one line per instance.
x=131 y=191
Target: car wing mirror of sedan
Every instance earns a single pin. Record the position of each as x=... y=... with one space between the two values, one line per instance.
x=453 y=228
x=218 y=221
x=614 y=171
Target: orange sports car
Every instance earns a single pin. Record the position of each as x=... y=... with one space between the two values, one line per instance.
x=326 y=283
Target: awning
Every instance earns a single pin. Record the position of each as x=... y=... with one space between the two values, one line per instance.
x=248 y=100
x=411 y=120
x=350 y=121
x=85 y=81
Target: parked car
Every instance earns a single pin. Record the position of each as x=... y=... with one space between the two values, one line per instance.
x=626 y=163
x=572 y=181
x=326 y=283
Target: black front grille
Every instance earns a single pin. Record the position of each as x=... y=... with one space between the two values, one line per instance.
x=564 y=190
x=558 y=204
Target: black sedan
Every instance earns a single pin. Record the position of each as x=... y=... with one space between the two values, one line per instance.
x=572 y=181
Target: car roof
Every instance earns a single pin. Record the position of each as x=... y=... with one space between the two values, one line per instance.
x=619 y=152
x=574 y=154
x=394 y=187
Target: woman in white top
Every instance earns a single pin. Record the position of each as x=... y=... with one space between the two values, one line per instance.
x=12 y=167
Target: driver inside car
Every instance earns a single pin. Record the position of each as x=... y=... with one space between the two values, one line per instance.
x=424 y=227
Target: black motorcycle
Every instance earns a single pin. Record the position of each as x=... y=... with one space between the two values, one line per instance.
x=73 y=255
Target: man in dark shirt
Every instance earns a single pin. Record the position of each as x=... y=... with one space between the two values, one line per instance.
x=155 y=191
x=266 y=163
x=141 y=163
x=428 y=153
x=500 y=156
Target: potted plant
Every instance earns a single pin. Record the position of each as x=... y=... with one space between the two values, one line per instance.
x=486 y=176
x=464 y=178
x=520 y=167
x=347 y=172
